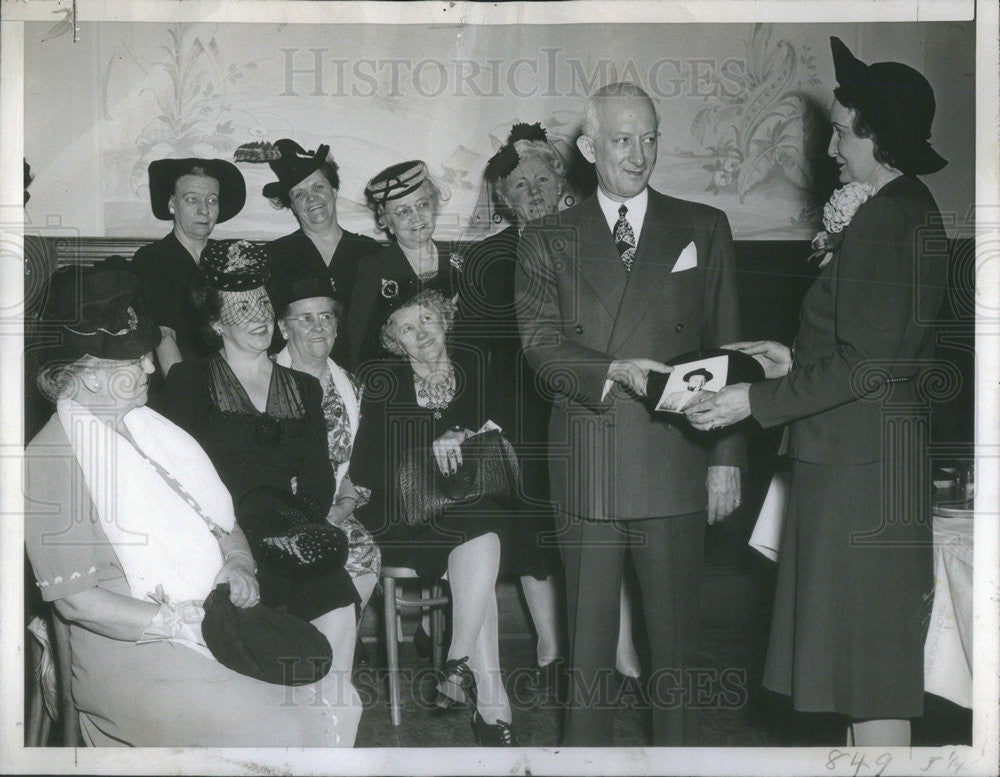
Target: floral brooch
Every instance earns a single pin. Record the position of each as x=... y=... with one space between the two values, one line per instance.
x=390 y=289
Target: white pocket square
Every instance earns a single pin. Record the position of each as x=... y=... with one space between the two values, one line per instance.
x=688 y=259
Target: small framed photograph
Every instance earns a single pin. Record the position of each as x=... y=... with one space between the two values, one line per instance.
x=689 y=379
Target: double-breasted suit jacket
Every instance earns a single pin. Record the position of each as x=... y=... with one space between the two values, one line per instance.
x=579 y=310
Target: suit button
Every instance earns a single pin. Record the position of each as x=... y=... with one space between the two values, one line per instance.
x=678 y=327
x=578 y=329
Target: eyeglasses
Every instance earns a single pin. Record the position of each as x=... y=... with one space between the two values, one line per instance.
x=406 y=212
x=309 y=320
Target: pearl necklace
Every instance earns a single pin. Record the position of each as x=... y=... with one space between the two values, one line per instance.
x=435 y=394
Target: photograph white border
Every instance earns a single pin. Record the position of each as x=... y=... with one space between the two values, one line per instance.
x=980 y=758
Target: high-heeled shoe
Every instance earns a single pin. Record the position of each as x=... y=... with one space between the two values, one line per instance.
x=457 y=687
x=499 y=734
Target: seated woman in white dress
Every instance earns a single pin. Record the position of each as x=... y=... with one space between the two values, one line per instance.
x=128 y=529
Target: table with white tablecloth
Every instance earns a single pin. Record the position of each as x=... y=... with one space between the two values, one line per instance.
x=948 y=649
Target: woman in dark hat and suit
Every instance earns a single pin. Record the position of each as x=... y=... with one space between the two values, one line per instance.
x=855 y=565
x=524 y=180
x=105 y=470
x=196 y=194
x=308 y=183
x=405 y=199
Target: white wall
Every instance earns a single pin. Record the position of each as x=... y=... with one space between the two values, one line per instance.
x=99 y=110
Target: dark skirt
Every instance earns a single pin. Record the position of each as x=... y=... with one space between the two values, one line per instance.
x=307 y=599
x=529 y=548
x=853 y=595
x=425 y=547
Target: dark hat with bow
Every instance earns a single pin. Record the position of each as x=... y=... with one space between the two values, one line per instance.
x=163 y=174
x=100 y=311
x=898 y=104
x=289 y=161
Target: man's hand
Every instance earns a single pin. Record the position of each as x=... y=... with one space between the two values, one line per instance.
x=723 y=492
x=775 y=358
x=729 y=406
x=633 y=373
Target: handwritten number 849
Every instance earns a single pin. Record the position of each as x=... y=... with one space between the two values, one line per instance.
x=859 y=761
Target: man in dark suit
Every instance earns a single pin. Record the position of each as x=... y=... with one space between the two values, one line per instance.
x=605 y=289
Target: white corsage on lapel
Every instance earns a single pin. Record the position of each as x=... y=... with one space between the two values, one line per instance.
x=688 y=259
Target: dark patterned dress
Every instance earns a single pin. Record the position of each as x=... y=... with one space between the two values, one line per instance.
x=284 y=447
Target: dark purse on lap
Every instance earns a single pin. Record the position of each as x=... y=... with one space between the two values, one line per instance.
x=261 y=642
x=489 y=470
x=282 y=535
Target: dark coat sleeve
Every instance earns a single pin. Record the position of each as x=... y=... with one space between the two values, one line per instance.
x=147 y=265
x=183 y=398
x=874 y=306
x=568 y=368
x=315 y=478
x=721 y=327
x=368 y=457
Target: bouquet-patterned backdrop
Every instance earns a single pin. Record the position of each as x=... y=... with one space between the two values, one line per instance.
x=743 y=109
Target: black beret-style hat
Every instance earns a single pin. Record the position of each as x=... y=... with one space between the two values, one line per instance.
x=163 y=174
x=233 y=265
x=97 y=311
x=264 y=643
x=395 y=295
x=298 y=280
x=896 y=101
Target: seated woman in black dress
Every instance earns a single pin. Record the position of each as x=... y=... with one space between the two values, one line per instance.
x=196 y=194
x=308 y=183
x=432 y=399
x=405 y=199
x=262 y=425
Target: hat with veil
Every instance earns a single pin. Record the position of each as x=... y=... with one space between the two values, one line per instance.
x=490 y=213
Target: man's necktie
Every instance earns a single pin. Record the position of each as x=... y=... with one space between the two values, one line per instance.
x=625 y=239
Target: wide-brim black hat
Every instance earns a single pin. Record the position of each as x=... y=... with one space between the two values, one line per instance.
x=299 y=280
x=896 y=101
x=100 y=311
x=293 y=166
x=163 y=173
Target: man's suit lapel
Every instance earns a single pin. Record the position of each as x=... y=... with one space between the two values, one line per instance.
x=664 y=235
x=599 y=262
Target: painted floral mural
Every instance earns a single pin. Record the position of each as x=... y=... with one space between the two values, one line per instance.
x=193 y=86
x=761 y=126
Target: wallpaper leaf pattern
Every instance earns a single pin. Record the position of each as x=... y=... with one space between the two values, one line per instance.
x=193 y=89
x=756 y=132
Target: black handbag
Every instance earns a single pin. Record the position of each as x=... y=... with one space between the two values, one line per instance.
x=264 y=643
x=285 y=537
x=489 y=470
